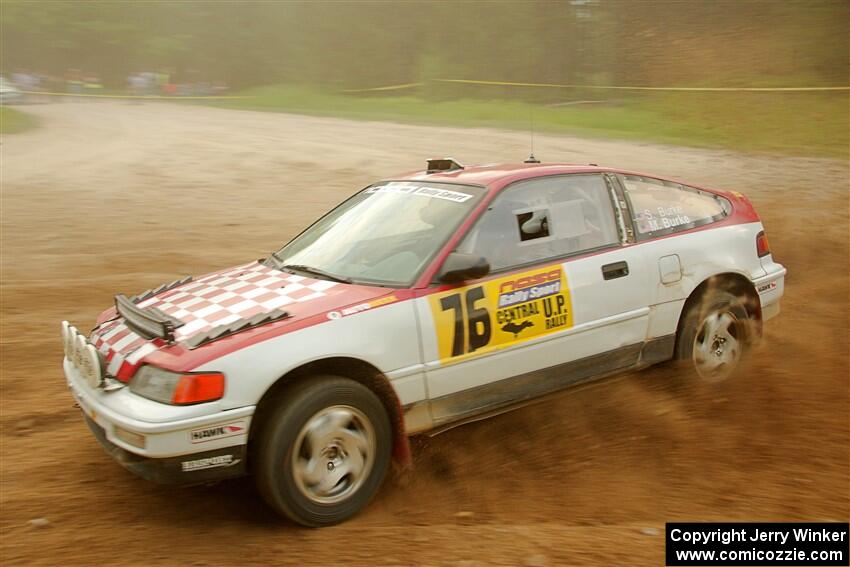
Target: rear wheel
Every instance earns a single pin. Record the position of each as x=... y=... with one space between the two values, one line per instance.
x=324 y=451
x=713 y=336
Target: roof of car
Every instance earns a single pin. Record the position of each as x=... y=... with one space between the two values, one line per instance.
x=499 y=173
x=496 y=176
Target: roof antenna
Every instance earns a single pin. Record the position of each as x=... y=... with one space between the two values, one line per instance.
x=531 y=158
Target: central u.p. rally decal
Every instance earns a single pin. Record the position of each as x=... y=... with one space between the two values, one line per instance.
x=486 y=316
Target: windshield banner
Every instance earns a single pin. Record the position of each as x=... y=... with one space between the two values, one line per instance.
x=422 y=191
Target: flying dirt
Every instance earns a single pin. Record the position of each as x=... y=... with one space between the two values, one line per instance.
x=117 y=197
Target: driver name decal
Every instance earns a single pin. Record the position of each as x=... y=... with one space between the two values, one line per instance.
x=480 y=318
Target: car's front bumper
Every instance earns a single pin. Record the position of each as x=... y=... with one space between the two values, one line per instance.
x=175 y=444
x=197 y=468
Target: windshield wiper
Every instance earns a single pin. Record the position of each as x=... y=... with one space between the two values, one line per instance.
x=314 y=271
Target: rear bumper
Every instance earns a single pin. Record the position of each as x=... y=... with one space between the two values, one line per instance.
x=770 y=289
x=197 y=468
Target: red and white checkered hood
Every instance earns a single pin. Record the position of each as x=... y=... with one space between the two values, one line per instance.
x=221 y=298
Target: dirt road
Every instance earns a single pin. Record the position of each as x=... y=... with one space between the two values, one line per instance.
x=114 y=197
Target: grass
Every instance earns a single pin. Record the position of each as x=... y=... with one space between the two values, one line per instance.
x=811 y=124
x=14 y=121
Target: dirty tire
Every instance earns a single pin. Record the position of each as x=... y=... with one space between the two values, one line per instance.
x=714 y=336
x=323 y=451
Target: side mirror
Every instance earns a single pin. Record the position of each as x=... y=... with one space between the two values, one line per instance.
x=460 y=267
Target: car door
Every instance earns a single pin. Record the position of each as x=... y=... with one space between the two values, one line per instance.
x=565 y=300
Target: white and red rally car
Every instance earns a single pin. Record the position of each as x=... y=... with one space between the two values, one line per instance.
x=418 y=302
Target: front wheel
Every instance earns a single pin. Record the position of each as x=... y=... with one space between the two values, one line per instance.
x=324 y=451
x=714 y=335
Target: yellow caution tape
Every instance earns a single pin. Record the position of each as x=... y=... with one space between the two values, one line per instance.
x=145 y=97
x=622 y=88
x=387 y=88
x=467 y=82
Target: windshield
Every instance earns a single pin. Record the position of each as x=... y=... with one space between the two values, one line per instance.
x=384 y=235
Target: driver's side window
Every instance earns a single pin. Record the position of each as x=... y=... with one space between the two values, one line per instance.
x=545 y=218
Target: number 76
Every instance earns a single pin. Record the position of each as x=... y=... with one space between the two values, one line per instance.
x=477 y=320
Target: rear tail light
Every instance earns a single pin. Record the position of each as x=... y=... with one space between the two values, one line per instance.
x=762 y=247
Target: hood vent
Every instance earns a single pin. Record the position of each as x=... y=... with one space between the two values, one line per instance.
x=164 y=287
x=226 y=330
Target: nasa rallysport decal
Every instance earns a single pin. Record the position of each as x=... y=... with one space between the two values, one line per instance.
x=480 y=318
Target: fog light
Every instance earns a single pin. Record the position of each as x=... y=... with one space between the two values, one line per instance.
x=134 y=439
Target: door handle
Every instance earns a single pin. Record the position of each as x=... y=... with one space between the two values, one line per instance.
x=615 y=270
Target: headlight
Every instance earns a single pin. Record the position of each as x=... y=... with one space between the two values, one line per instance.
x=177 y=388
